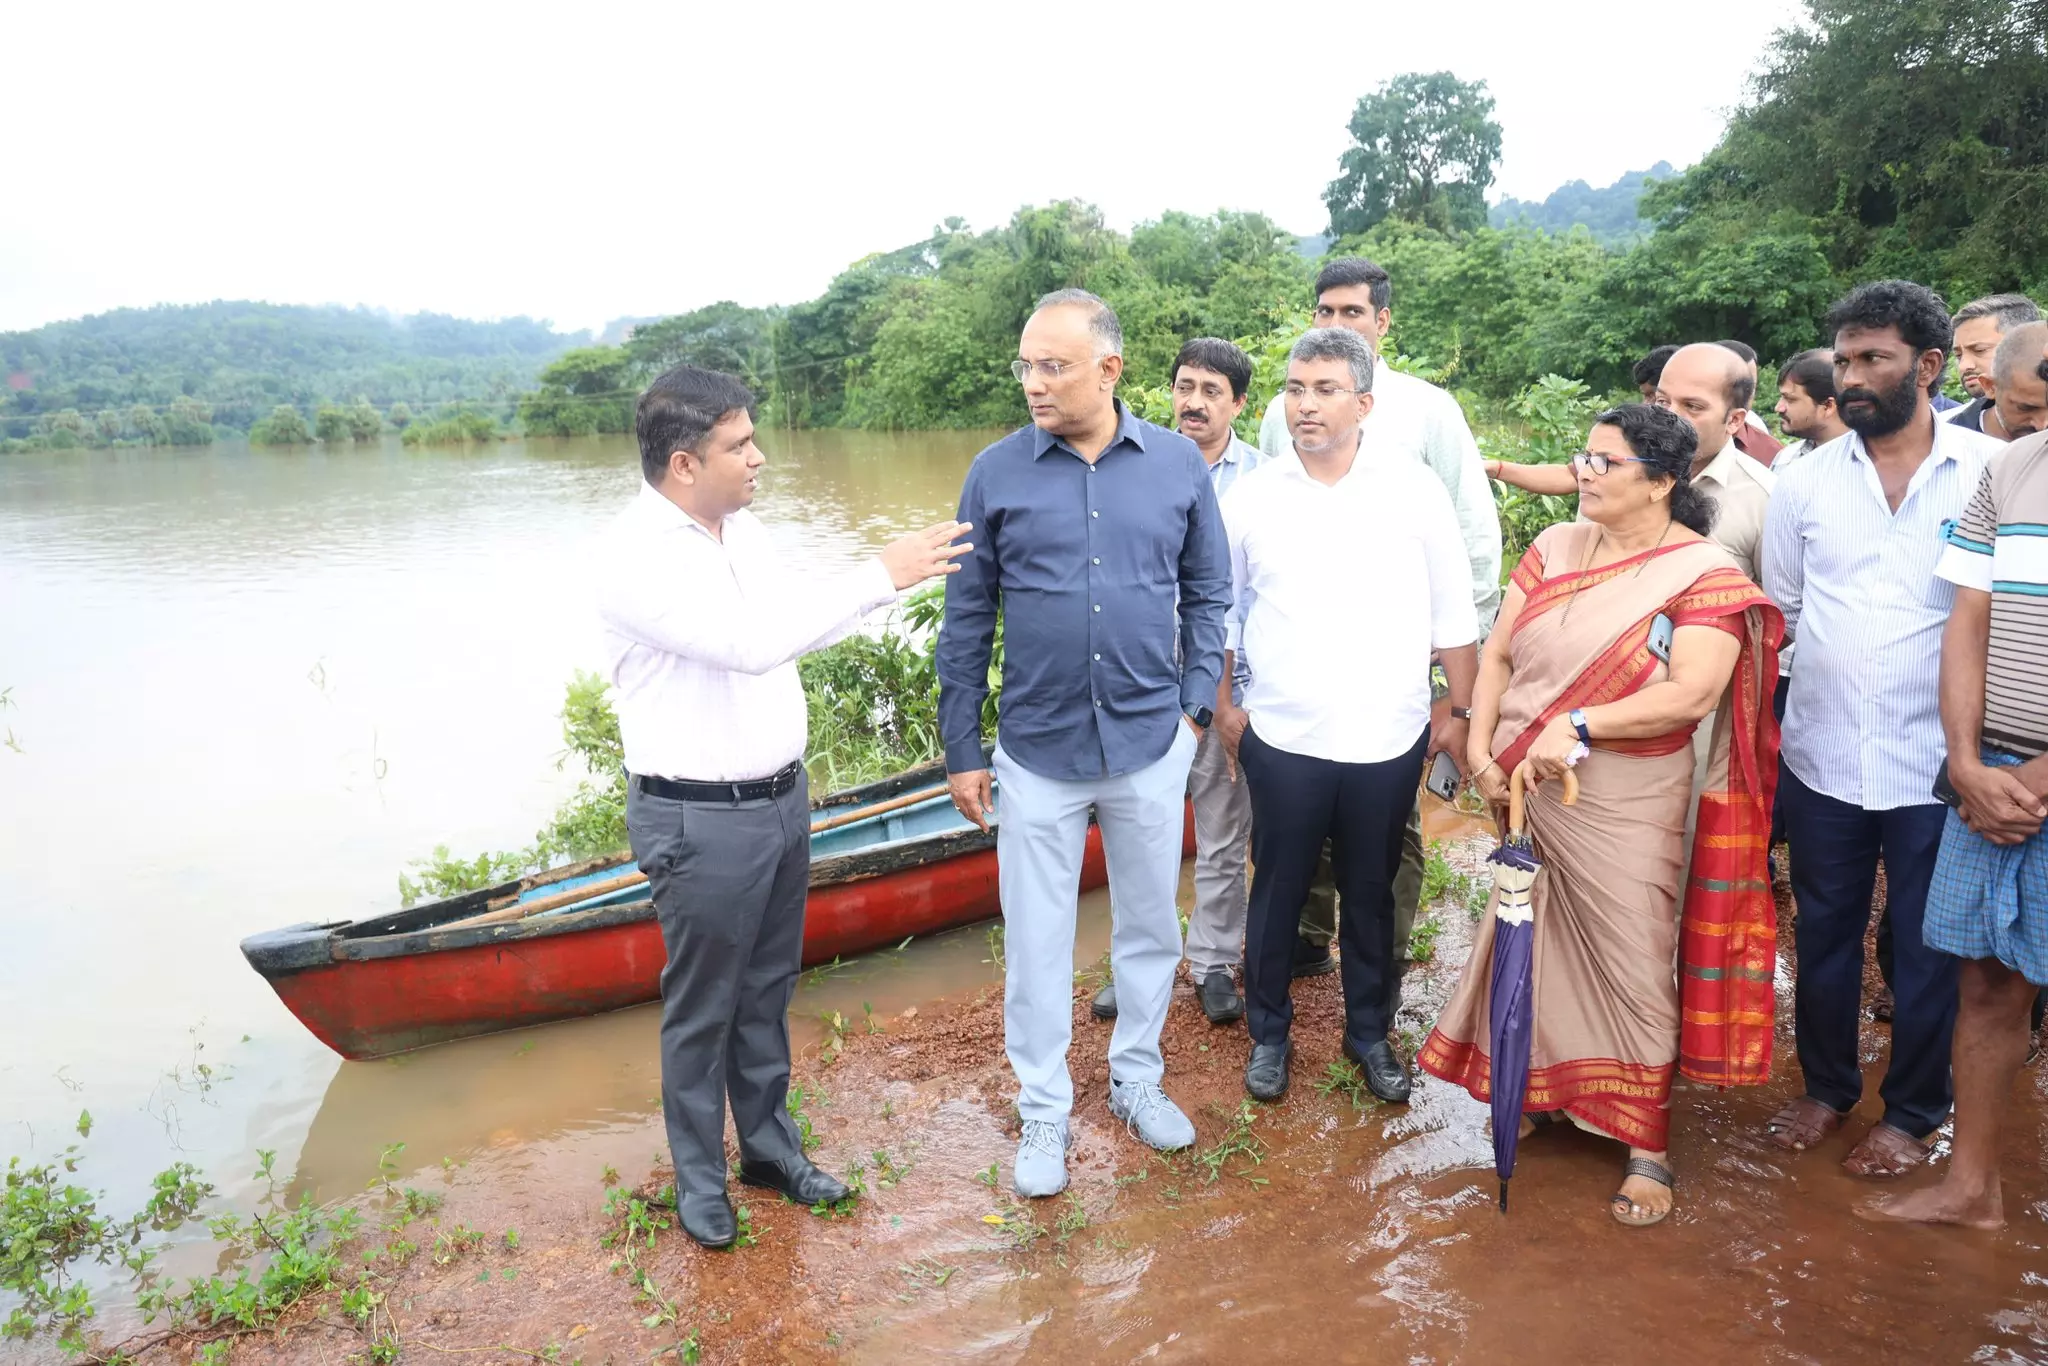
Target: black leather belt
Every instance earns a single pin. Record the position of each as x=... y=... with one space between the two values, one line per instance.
x=754 y=790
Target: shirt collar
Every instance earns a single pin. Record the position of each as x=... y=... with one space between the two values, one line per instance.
x=655 y=507
x=1948 y=442
x=1129 y=427
x=1720 y=468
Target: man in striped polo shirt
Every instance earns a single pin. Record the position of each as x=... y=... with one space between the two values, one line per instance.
x=1851 y=539
x=1989 y=901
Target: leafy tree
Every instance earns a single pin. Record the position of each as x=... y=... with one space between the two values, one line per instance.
x=591 y=389
x=330 y=424
x=1424 y=148
x=721 y=336
x=399 y=416
x=365 y=423
x=285 y=426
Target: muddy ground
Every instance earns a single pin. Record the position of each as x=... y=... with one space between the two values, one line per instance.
x=1326 y=1227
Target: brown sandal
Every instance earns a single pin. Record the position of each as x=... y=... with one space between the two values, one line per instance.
x=1803 y=1122
x=1624 y=1209
x=1887 y=1151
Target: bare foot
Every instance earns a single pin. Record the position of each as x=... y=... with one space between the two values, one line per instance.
x=1938 y=1205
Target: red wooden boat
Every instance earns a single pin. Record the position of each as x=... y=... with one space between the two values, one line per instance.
x=889 y=861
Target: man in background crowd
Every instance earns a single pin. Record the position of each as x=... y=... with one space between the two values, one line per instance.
x=1806 y=410
x=2019 y=379
x=1752 y=438
x=1649 y=369
x=1851 y=541
x=1980 y=325
x=1413 y=418
x=1211 y=380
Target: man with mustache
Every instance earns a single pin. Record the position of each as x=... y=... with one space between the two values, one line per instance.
x=1414 y=419
x=1806 y=409
x=1851 y=541
x=1981 y=325
x=1211 y=378
x=2019 y=385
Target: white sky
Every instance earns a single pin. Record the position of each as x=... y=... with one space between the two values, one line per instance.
x=588 y=161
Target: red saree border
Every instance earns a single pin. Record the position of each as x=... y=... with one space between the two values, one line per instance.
x=1627 y=1100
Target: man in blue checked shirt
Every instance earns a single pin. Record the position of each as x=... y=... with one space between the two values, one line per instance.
x=1851 y=540
x=1099 y=542
x=1211 y=383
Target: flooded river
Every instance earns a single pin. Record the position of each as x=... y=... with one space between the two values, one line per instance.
x=247 y=688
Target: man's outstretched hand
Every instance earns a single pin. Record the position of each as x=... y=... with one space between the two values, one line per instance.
x=926 y=554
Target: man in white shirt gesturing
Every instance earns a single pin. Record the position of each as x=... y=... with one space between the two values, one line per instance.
x=703 y=626
x=1349 y=571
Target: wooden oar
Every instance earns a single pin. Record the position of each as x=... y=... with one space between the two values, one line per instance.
x=520 y=910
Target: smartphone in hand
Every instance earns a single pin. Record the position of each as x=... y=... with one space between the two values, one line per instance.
x=1444 y=780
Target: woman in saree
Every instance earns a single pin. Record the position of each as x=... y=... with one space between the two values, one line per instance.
x=1623 y=633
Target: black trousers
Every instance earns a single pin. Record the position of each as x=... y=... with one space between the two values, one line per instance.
x=1835 y=851
x=729 y=881
x=1298 y=802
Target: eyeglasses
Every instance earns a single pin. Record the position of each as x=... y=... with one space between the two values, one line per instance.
x=1323 y=392
x=1598 y=463
x=1050 y=369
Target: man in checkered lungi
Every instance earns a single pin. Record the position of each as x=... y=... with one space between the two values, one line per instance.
x=1988 y=904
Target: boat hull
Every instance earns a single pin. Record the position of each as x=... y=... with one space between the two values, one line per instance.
x=372 y=989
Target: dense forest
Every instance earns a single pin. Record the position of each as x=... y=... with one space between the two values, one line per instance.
x=1878 y=138
x=169 y=375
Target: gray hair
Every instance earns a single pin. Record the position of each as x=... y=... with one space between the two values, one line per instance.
x=1102 y=320
x=2009 y=310
x=1337 y=343
x=2017 y=349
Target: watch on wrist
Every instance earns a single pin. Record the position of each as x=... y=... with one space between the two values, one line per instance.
x=1202 y=716
x=1578 y=720
x=1461 y=713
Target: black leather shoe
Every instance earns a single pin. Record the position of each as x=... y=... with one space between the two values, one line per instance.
x=1385 y=1077
x=1312 y=960
x=1219 y=997
x=1103 y=1007
x=708 y=1219
x=796 y=1178
x=1265 y=1076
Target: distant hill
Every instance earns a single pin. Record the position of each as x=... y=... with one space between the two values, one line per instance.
x=245 y=358
x=1609 y=214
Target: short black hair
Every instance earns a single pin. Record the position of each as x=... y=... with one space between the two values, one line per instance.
x=1740 y=348
x=679 y=410
x=1918 y=313
x=1346 y=271
x=1666 y=444
x=1814 y=372
x=2009 y=310
x=1213 y=353
x=1650 y=368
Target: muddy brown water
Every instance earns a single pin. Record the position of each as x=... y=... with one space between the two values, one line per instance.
x=299 y=671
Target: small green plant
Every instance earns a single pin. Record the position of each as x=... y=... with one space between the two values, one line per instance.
x=995 y=947
x=988 y=1178
x=1422 y=937
x=887 y=1170
x=1342 y=1078
x=1073 y=1217
x=843 y=1208
x=743 y=1217
x=1238 y=1141
x=798 y=1102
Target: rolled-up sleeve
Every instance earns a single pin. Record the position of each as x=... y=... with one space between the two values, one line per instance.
x=967 y=636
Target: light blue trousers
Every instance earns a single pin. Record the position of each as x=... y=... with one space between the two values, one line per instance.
x=1039 y=842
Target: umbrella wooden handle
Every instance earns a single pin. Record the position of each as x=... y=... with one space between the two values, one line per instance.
x=1518 y=779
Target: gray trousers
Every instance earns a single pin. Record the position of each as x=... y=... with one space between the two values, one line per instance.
x=729 y=880
x=1223 y=833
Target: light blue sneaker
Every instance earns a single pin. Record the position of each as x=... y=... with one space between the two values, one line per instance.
x=1149 y=1115
x=1042 y=1159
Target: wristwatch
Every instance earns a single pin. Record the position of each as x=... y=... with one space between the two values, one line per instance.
x=1461 y=713
x=1202 y=716
x=1578 y=720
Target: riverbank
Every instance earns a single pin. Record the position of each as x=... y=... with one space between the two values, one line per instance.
x=1317 y=1226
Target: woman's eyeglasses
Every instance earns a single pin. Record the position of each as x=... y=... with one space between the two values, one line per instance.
x=1598 y=463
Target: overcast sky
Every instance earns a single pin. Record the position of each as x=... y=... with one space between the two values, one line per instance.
x=587 y=161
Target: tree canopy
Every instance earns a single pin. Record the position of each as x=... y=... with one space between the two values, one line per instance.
x=1424 y=148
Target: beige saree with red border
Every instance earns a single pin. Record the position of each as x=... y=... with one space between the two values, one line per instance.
x=1629 y=992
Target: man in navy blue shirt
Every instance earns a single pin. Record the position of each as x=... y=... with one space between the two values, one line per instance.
x=1098 y=539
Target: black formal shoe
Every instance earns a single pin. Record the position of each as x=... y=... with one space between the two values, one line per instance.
x=1219 y=997
x=708 y=1219
x=796 y=1178
x=1312 y=960
x=1265 y=1076
x=1103 y=1007
x=1385 y=1077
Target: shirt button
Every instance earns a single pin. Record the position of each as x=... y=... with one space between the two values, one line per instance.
x=1098 y=659
x=1098 y=701
x=1094 y=514
x=1098 y=607
x=1096 y=560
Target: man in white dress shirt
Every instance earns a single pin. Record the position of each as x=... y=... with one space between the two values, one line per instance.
x=703 y=626
x=1851 y=541
x=1414 y=418
x=1349 y=570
